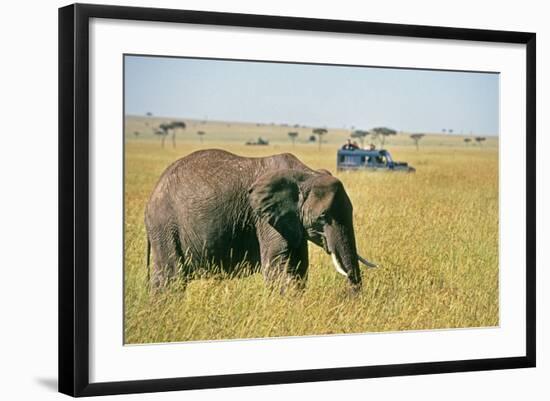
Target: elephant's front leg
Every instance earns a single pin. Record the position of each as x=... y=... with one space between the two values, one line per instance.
x=284 y=264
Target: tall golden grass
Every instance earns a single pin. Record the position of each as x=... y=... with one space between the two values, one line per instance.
x=434 y=234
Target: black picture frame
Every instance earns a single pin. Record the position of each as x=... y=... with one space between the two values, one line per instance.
x=74 y=198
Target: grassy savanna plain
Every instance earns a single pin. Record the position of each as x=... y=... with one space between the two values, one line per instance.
x=433 y=233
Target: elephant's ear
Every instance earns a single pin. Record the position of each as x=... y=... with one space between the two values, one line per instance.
x=275 y=196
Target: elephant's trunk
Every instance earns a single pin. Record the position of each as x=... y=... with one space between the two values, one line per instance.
x=342 y=248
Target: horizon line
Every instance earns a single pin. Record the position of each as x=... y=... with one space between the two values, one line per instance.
x=291 y=125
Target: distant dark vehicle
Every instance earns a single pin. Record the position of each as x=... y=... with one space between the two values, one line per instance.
x=259 y=141
x=371 y=160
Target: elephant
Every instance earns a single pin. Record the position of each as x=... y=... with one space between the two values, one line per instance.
x=215 y=208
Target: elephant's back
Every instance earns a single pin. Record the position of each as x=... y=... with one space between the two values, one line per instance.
x=209 y=174
x=205 y=183
x=207 y=162
x=211 y=166
x=208 y=171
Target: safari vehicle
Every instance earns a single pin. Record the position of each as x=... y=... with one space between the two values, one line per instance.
x=372 y=160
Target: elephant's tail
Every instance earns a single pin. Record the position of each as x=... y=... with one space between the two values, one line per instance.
x=148 y=262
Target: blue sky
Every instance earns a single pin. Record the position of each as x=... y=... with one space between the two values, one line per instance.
x=314 y=95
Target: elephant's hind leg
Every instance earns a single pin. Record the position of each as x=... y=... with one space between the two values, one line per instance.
x=166 y=260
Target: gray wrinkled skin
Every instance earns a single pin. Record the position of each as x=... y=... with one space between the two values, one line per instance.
x=213 y=209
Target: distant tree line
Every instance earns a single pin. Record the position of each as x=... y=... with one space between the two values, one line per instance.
x=377 y=134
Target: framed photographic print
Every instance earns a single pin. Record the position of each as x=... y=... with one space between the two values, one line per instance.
x=251 y=199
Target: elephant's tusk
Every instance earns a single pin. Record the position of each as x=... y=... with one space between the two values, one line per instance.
x=337 y=265
x=366 y=262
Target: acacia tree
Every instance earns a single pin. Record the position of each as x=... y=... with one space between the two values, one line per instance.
x=165 y=128
x=416 y=138
x=201 y=135
x=361 y=135
x=320 y=132
x=467 y=140
x=381 y=133
x=136 y=133
x=480 y=139
x=174 y=126
x=293 y=136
